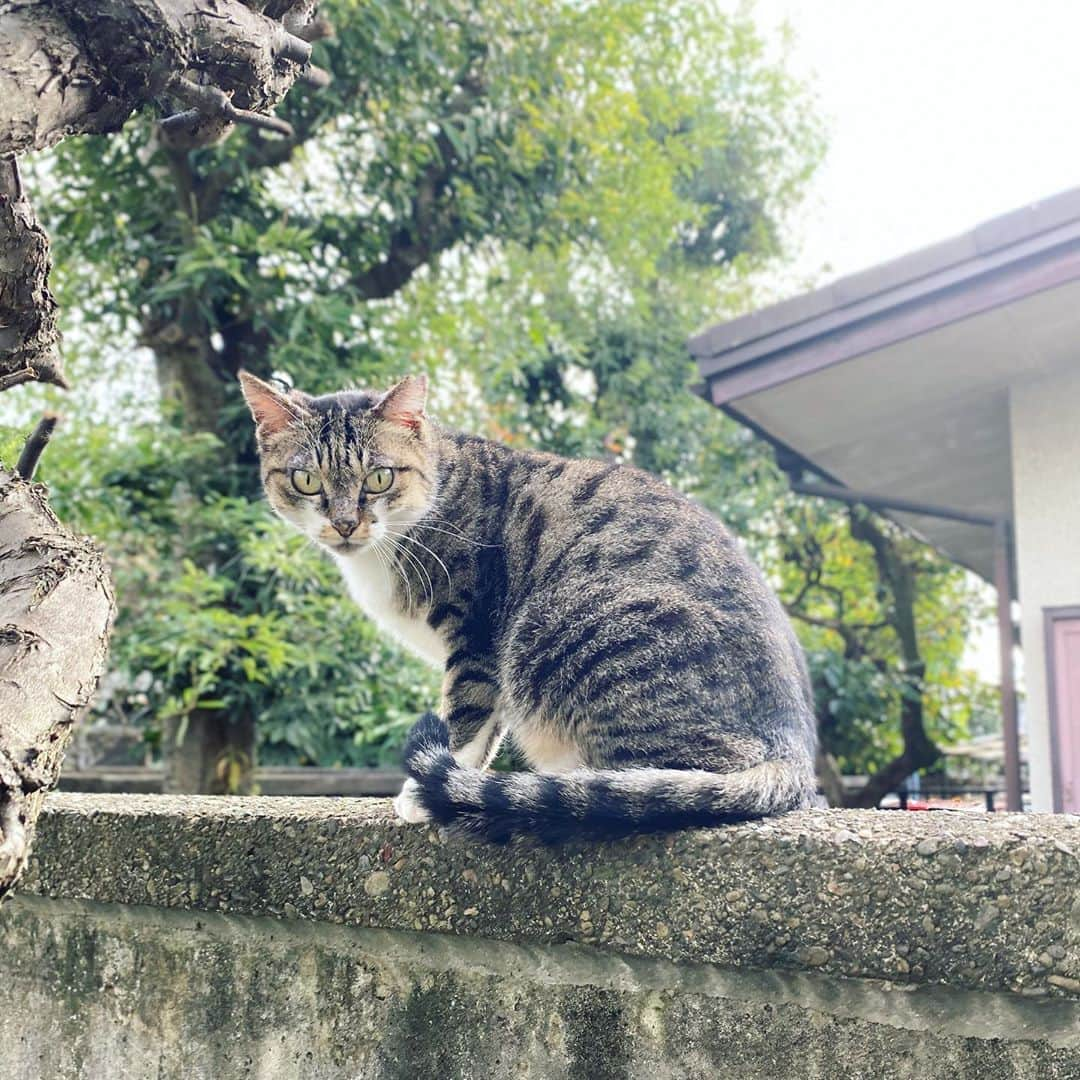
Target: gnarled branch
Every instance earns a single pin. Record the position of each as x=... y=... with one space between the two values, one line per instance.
x=28 y=333
x=67 y=67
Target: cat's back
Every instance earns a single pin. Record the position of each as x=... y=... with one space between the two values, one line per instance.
x=571 y=537
x=590 y=541
x=596 y=519
x=618 y=579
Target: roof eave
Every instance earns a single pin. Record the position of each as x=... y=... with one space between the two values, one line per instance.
x=845 y=320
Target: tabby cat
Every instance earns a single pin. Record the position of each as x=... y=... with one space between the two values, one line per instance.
x=613 y=629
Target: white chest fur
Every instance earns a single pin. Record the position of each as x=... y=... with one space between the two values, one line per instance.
x=371 y=586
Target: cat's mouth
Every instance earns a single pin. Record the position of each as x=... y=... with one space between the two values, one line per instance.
x=343 y=547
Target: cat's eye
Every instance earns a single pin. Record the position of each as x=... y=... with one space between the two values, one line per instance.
x=307 y=483
x=378 y=480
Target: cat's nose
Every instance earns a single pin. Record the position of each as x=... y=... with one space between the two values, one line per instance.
x=345 y=526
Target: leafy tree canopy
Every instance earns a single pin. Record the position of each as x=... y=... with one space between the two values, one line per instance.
x=535 y=202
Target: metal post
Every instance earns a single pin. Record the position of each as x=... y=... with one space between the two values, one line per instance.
x=1009 y=727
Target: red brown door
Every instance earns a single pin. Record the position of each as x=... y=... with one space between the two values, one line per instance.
x=1063 y=647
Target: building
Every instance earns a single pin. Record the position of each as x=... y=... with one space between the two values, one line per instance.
x=943 y=388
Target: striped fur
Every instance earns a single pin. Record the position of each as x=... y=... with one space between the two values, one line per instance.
x=600 y=804
x=613 y=629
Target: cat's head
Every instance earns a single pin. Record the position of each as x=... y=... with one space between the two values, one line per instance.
x=345 y=469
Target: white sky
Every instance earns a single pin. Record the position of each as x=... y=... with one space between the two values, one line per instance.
x=939 y=115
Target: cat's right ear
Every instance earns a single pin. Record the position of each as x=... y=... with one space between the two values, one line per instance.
x=273 y=411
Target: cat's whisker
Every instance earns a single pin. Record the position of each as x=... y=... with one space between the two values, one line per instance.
x=456 y=535
x=430 y=515
x=415 y=561
x=400 y=570
x=425 y=580
x=384 y=563
x=421 y=544
x=450 y=523
x=398 y=549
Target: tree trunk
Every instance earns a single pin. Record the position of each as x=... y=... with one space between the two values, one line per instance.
x=209 y=752
x=56 y=610
x=919 y=749
x=185 y=379
x=829 y=778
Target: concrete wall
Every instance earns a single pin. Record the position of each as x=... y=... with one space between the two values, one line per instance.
x=1045 y=423
x=275 y=938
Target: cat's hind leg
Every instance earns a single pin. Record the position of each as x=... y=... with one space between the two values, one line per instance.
x=470 y=709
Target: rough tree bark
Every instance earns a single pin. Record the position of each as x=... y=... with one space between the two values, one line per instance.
x=66 y=68
x=56 y=609
x=69 y=68
x=28 y=334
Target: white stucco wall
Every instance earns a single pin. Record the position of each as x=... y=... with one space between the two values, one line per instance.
x=1045 y=425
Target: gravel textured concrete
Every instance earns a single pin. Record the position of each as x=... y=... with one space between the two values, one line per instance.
x=986 y=902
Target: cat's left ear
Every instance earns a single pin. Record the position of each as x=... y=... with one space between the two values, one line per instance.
x=404 y=403
x=273 y=411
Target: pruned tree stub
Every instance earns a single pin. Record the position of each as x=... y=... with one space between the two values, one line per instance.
x=56 y=611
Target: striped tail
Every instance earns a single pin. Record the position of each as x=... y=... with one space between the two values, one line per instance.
x=595 y=804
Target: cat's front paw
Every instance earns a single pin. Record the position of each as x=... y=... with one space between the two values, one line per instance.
x=407 y=804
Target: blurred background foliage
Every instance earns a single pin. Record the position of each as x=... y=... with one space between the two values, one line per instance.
x=535 y=203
